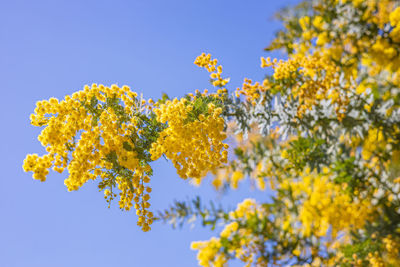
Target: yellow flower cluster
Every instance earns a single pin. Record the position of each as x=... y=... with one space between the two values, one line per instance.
x=373 y=143
x=381 y=54
x=109 y=134
x=208 y=254
x=385 y=55
x=194 y=144
x=326 y=206
x=311 y=78
x=251 y=90
x=378 y=11
x=317 y=78
x=375 y=146
x=395 y=22
x=245 y=209
x=205 y=61
x=84 y=134
x=38 y=165
x=242 y=243
x=140 y=196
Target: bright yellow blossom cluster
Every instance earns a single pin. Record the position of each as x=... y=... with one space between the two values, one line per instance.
x=381 y=53
x=374 y=142
x=311 y=78
x=375 y=146
x=316 y=77
x=243 y=245
x=395 y=22
x=38 y=165
x=384 y=55
x=326 y=207
x=85 y=134
x=111 y=135
x=252 y=90
x=208 y=254
x=193 y=142
x=205 y=61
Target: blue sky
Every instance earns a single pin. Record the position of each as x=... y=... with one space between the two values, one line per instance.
x=53 y=48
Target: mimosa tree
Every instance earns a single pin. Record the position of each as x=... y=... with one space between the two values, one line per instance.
x=320 y=135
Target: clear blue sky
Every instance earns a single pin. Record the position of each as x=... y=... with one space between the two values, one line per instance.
x=53 y=48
